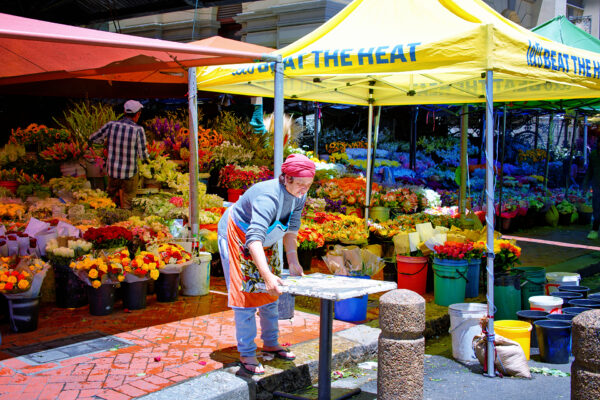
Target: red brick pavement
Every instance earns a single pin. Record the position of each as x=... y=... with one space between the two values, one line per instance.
x=172 y=342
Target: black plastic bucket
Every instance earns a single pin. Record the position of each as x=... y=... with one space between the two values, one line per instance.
x=70 y=290
x=102 y=300
x=566 y=296
x=554 y=338
x=575 y=310
x=531 y=316
x=23 y=314
x=589 y=303
x=167 y=287
x=134 y=294
x=575 y=289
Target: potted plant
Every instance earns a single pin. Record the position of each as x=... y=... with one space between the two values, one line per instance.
x=9 y=178
x=237 y=179
x=309 y=239
x=567 y=214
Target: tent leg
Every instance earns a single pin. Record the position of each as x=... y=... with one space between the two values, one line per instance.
x=585 y=139
x=375 y=139
x=369 y=158
x=278 y=127
x=464 y=162
x=193 y=136
x=489 y=183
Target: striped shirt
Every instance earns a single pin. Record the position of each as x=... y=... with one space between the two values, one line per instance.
x=126 y=142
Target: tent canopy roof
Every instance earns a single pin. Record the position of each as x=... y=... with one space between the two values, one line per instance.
x=33 y=51
x=561 y=30
x=388 y=52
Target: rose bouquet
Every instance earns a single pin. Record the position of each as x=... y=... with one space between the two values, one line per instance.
x=453 y=250
x=95 y=271
x=171 y=253
x=310 y=239
x=22 y=277
x=108 y=237
x=144 y=265
x=64 y=255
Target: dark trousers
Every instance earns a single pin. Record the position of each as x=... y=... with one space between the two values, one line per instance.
x=122 y=191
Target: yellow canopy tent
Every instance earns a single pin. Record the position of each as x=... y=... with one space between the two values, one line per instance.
x=403 y=52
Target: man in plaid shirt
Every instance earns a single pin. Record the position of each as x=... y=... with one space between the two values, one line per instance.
x=126 y=142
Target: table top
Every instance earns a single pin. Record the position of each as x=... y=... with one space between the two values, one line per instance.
x=333 y=287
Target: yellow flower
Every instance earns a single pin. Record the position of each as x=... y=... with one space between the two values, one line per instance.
x=93 y=273
x=154 y=274
x=2 y=285
x=12 y=279
x=120 y=278
x=23 y=284
x=96 y=284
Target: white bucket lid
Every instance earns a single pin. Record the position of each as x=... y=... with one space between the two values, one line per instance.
x=545 y=300
x=470 y=310
x=563 y=277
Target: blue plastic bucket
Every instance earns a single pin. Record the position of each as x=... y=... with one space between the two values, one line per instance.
x=354 y=309
x=574 y=288
x=472 y=287
x=594 y=296
x=531 y=316
x=575 y=310
x=566 y=296
x=589 y=303
x=553 y=338
x=566 y=318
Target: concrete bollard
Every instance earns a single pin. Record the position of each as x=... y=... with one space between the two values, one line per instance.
x=585 y=370
x=401 y=352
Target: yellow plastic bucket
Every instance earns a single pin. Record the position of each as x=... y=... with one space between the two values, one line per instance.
x=519 y=331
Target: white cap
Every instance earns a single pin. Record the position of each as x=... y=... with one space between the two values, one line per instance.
x=132 y=106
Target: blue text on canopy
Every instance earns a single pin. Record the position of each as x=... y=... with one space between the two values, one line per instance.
x=539 y=56
x=341 y=58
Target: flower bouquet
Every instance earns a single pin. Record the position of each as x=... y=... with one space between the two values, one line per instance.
x=95 y=271
x=310 y=239
x=63 y=152
x=172 y=257
x=235 y=177
x=108 y=237
x=64 y=255
x=145 y=265
x=22 y=277
x=353 y=261
x=506 y=255
x=453 y=250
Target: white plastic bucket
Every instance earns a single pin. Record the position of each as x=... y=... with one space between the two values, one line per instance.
x=550 y=304
x=464 y=326
x=555 y=279
x=195 y=278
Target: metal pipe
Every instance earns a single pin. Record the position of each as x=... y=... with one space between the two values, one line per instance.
x=369 y=158
x=548 y=145
x=325 y=340
x=537 y=129
x=502 y=167
x=193 y=137
x=278 y=118
x=568 y=177
x=585 y=139
x=489 y=217
x=375 y=139
x=464 y=164
x=317 y=128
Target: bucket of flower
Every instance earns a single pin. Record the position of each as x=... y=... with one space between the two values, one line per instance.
x=20 y=282
x=70 y=291
x=138 y=271
x=173 y=260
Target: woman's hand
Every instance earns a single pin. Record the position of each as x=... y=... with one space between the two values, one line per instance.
x=272 y=283
x=295 y=268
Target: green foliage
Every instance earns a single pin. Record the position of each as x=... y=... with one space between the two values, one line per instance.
x=109 y=216
x=84 y=118
x=33 y=189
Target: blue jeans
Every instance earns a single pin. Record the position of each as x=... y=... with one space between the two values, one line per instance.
x=245 y=318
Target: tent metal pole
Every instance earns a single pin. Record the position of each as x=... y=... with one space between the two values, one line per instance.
x=501 y=185
x=317 y=128
x=585 y=139
x=489 y=217
x=548 y=145
x=464 y=164
x=193 y=136
x=537 y=130
x=568 y=177
x=369 y=158
x=278 y=118
x=375 y=139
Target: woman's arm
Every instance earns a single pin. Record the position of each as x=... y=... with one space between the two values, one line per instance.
x=291 y=252
x=272 y=281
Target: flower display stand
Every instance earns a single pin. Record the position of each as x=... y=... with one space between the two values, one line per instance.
x=234 y=194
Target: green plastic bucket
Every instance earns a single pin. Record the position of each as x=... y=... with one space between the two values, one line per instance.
x=533 y=281
x=507 y=296
x=380 y=214
x=449 y=281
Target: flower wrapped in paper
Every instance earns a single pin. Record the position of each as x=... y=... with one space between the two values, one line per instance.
x=22 y=278
x=353 y=261
x=63 y=250
x=173 y=257
x=95 y=271
x=143 y=266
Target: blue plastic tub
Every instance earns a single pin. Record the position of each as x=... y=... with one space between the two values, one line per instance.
x=553 y=338
x=531 y=316
x=594 y=296
x=575 y=288
x=354 y=309
x=566 y=296
x=566 y=318
x=589 y=303
x=472 y=286
x=575 y=310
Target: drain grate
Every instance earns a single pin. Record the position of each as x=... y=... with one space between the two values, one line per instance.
x=62 y=349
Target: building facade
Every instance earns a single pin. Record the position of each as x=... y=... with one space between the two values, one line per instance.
x=277 y=23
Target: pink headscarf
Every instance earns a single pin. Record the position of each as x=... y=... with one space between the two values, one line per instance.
x=299 y=166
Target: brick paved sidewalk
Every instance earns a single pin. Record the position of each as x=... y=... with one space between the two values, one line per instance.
x=155 y=347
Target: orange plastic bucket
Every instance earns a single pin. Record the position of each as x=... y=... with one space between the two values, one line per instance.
x=412 y=273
